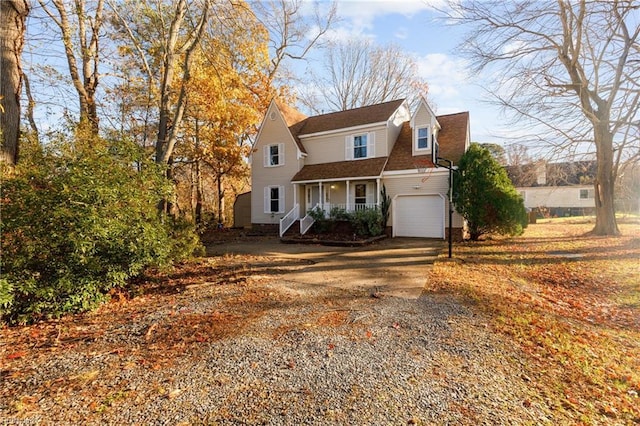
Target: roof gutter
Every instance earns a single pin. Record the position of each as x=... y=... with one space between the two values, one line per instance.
x=344 y=130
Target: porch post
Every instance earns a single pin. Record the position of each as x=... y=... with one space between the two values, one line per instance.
x=347 y=199
x=295 y=196
x=378 y=192
x=320 y=196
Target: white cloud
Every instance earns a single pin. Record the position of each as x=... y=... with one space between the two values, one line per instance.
x=367 y=10
x=344 y=33
x=358 y=16
x=445 y=74
x=401 y=33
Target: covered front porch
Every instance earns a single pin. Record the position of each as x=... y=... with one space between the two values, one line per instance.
x=332 y=197
x=340 y=195
x=333 y=188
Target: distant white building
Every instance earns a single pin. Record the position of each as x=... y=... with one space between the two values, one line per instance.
x=556 y=189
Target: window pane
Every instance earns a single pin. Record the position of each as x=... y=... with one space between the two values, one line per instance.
x=275 y=200
x=361 y=194
x=360 y=146
x=274 y=158
x=423 y=137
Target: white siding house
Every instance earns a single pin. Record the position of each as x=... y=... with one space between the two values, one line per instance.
x=343 y=160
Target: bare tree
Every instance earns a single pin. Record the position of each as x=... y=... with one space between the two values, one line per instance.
x=358 y=73
x=292 y=33
x=13 y=14
x=80 y=28
x=179 y=38
x=571 y=69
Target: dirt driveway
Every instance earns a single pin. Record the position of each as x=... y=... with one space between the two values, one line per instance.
x=394 y=266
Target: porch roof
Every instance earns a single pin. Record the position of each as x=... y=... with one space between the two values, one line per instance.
x=341 y=170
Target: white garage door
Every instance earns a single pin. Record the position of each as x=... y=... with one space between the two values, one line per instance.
x=418 y=216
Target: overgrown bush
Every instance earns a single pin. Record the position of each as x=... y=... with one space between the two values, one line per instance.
x=79 y=219
x=367 y=222
x=321 y=224
x=485 y=196
x=339 y=213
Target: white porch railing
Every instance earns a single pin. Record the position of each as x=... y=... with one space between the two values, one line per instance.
x=307 y=221
x=289 y=219
x=351 y=207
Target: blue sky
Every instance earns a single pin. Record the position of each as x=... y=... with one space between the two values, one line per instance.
x=414 y=25
x=420 y=30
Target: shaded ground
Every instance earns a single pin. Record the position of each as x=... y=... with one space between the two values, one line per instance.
x=570 y=302
x=236 y=339
x=397 y=266
x=540 y=329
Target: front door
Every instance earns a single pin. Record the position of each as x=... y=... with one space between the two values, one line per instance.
x=313 y=196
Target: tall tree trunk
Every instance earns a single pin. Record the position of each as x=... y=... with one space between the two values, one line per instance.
x=199 y=191
x=85 y=79
x=605 y=182
x=13 y=14
x=220 y=200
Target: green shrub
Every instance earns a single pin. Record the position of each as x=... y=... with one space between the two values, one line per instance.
x=485 y=196
x=367 y=222
x=321 y=224
x=385 y=207
x=79 y=219
x=339 y=213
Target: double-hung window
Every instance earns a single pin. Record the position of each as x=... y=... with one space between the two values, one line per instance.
x=360 y=146
x=422 y=138
x=274 y=199
x=274 y=155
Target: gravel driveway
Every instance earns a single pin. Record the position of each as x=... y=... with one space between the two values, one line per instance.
x=394 y=266
x=297 y=337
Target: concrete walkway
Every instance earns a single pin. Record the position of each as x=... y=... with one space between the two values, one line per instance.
x=394 y=266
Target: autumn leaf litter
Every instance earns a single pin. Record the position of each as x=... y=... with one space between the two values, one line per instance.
x=224 y=342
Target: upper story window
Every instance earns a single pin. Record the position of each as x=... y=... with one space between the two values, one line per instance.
x=274 y=155
x=359 y=146
x=422 y=138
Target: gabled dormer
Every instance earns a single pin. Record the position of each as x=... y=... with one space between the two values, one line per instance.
x=424 y=129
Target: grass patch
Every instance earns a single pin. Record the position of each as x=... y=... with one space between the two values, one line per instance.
x=571 y=302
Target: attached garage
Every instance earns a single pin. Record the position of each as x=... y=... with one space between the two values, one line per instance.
x=418 y=215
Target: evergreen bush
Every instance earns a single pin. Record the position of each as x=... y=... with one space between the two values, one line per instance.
x=485 y=196
x=78 y=219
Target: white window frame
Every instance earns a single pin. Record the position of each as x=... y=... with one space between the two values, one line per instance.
x=350 y=148
x=355 y=191
x=590 y=194
x=268 y=200
x=268 y=157
x=370 y=192
x=417 y=138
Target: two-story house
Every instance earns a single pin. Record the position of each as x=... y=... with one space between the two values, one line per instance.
x=343 y=159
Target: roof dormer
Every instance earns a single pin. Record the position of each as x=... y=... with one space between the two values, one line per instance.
x=424 y=129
